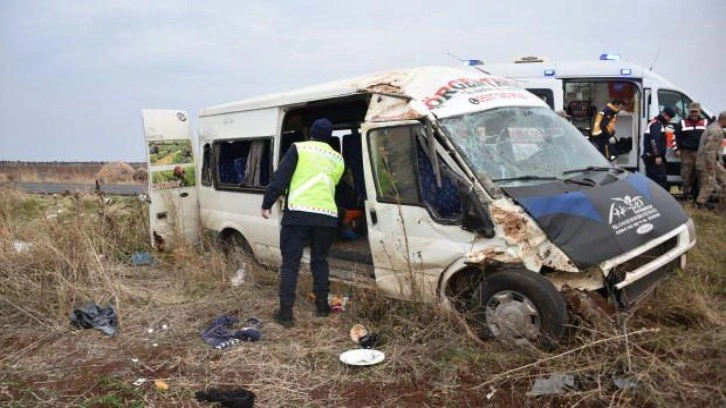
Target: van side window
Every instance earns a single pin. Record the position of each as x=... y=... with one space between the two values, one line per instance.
x=404 y=173
x=207 y=165
x=393 y=156
x=243 y=163
x=442 y=200
x=545 y=94
x=674 y=100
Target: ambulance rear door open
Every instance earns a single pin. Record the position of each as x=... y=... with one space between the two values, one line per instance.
x=585 y=97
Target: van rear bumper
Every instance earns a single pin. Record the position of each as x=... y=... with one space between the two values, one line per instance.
x=633 y=275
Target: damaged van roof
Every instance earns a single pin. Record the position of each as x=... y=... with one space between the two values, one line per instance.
x=443 y=90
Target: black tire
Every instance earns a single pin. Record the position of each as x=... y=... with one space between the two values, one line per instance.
x=521 y=304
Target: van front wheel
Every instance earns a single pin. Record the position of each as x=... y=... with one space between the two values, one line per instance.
x=517 y=303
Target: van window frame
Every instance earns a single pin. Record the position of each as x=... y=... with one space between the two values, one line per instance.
x=421 y=201
x=239 y=188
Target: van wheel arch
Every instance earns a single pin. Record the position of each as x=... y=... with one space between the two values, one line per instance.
x=230 y=239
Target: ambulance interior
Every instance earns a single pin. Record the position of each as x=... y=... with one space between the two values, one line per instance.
x=585 y=98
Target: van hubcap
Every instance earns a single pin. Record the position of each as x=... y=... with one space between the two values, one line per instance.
x=511 y=314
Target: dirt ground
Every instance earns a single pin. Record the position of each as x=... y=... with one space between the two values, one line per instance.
x=671 y=352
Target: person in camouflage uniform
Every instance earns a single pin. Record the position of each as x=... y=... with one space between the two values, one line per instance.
x=709 y=167
x=688 y=138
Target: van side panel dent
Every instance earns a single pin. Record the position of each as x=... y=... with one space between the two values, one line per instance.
x=526 y=243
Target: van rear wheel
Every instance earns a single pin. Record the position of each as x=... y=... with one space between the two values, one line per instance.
x=520 y=304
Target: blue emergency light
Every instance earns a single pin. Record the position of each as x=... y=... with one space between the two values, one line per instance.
x=609 y=57
x=625 y=71
x=474 y=62
x=549 y=72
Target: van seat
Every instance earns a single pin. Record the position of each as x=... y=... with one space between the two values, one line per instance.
x=443 y=201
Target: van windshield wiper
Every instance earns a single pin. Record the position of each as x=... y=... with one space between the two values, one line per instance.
x=549 y=178
x=523 y=178
x=593 y=168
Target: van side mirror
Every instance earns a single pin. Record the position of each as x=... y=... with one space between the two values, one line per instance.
x=474 y=215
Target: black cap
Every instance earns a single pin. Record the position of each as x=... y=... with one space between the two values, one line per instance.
x=321 y=129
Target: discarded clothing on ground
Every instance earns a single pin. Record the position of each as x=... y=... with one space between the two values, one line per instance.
x=235 y=398
x=92 y=316
x=220 y=335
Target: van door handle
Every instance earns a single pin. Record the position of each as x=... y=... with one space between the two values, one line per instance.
x=374 y=217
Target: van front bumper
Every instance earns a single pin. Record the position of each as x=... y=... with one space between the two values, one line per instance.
x=633 y=275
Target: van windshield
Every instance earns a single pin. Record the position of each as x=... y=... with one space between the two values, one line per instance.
x=521 y=144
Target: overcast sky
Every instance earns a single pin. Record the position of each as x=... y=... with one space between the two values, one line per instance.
x=74 y=75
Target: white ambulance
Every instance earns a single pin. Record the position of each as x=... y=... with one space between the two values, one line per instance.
x=466 y=190
x=582 y=88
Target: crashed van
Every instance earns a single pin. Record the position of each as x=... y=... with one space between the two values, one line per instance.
x=463 y=189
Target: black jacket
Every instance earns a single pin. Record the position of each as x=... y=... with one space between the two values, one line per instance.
x=688 y=133
x=655 y=142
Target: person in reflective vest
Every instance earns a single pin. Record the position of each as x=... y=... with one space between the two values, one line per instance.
x=308 y=174
x=688 y=137
x=603 y=130
x=654 y=148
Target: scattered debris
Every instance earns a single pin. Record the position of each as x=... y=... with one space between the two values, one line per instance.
x=161 y=385
x=491 y=394
x=239 y=276
x=164 y=327
x=142 y=258
x=134 y=360
x=357 y=331
x=93 y=316
x=234 y=398
x=624 y=383
x=338 y=303
x=219 y=333
x=555 y=384
x=154 y=344
x=150 y=330
x=139 y=382
x=370 y=340
x=362 y=357
x=22 y=246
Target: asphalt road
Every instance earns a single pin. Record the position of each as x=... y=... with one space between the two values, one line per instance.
x=54 y=188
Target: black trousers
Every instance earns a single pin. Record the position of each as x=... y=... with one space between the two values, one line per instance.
x=657 y=173
x=292 y=241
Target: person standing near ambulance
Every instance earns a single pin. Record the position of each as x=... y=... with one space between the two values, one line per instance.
x=603 y=130
x=709 y=166
x=688 y=138
x=308 y=175
x=655 y=144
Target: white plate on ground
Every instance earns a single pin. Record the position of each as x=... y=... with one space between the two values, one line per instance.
x=362 y=357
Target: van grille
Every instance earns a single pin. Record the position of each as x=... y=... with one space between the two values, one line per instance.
x=636 y=291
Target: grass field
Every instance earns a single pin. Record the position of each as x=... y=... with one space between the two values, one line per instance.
x=671 y=352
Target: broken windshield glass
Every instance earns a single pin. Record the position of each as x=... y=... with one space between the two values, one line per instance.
x=509 y=143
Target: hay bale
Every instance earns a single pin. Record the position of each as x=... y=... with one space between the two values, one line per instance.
x=115 y=172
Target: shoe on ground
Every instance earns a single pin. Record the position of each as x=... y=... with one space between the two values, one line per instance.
x=705 y=206
x=284 y=317
x=322 y=308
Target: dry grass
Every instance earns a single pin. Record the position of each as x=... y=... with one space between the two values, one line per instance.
x=672 y=349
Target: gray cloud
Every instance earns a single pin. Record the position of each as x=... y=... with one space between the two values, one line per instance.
x=74 y=75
